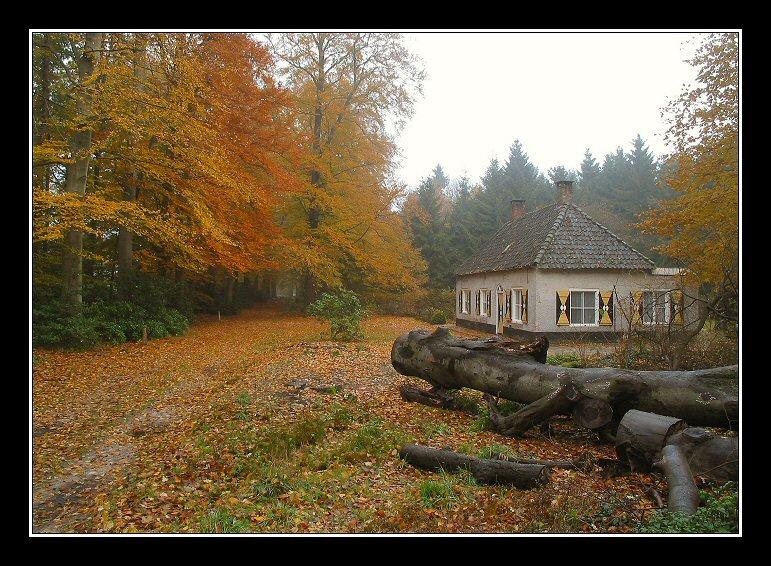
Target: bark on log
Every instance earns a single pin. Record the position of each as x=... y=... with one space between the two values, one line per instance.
x=484 y=471
x=641 y=436
x=703 y=397
x=683 y=494
x=709 y=454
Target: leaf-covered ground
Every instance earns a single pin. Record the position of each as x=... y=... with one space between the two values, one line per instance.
x=256 y=424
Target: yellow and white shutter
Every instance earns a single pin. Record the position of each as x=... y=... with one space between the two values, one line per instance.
x=606 y=308
x=563 y=308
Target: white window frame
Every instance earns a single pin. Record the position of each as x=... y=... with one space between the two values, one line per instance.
x=483 y=302
x=583 y=309
x=465 y=301
x=516 y=307
x=667 y=305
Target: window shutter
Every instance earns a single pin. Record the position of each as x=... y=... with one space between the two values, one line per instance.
x=460 y=301
x=606 y=308
x=479 y=300
x=523 y=318
x=678 y=305
x=637 y=307
x=508 y=306
x=563 y=308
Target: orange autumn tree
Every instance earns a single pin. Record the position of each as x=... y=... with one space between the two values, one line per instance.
x=341 y=228
x=701 y=223
x=190 y=153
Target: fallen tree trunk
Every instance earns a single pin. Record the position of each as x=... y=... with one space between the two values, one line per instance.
x=484 y=471
x=703 y=397
x=683 y=494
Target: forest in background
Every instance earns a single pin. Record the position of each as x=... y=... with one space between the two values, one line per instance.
x=451 y=218
x=171 y=168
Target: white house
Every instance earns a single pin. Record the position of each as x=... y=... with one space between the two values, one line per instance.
x=556 y=271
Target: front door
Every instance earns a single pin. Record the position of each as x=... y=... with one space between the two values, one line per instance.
x=501 y=313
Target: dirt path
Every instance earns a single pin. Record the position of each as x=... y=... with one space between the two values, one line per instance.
x=90 y=409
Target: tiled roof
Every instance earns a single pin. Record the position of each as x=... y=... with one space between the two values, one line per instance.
x=558 y=236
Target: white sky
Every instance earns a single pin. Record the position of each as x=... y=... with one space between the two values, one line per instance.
x=558 y=93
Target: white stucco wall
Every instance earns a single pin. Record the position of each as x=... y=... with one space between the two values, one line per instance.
x=543 y=284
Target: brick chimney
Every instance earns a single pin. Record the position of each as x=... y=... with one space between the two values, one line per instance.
x=517 y=208
x=564 y=191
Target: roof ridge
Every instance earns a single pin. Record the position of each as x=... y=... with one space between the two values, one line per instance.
x=550 y=235
x=614 y=235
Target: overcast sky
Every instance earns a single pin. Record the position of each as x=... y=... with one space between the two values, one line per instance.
x=558 y=93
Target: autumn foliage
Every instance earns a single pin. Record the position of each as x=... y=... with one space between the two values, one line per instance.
x=190 y=156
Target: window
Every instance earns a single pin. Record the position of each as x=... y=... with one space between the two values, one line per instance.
x=466 y=308
x=655 y=307
x=583 y=307
x=516 y=305
x=486 y=308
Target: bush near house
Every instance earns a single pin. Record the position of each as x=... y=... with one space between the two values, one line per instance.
x=344 y=310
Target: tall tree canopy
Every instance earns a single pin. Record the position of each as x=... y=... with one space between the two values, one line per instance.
x=177 y=143
x=701 y=224
x=340 y=228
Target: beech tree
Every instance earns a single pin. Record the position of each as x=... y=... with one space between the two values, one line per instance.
x=350 y=90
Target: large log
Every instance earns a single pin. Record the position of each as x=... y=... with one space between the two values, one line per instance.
x=704 y=397
x=484 y=471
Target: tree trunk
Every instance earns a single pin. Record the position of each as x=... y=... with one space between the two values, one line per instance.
x=132 y=185
x=484 y=471
x=683 y=494
x=708 y=454
x=704 y=397
x=77 y=173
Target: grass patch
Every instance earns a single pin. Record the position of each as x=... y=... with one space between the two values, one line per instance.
x=718 y=513
x=222 y=521
x=482 y=422
x=496 y=452
x=566 y=360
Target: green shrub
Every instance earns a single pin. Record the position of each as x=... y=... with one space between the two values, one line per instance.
x=344 y=311
x=102 y=322
x=55 y=326
x=438 y=318
x=718 y=513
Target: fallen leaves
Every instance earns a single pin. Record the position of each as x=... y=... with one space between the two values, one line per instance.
x=205 y=470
